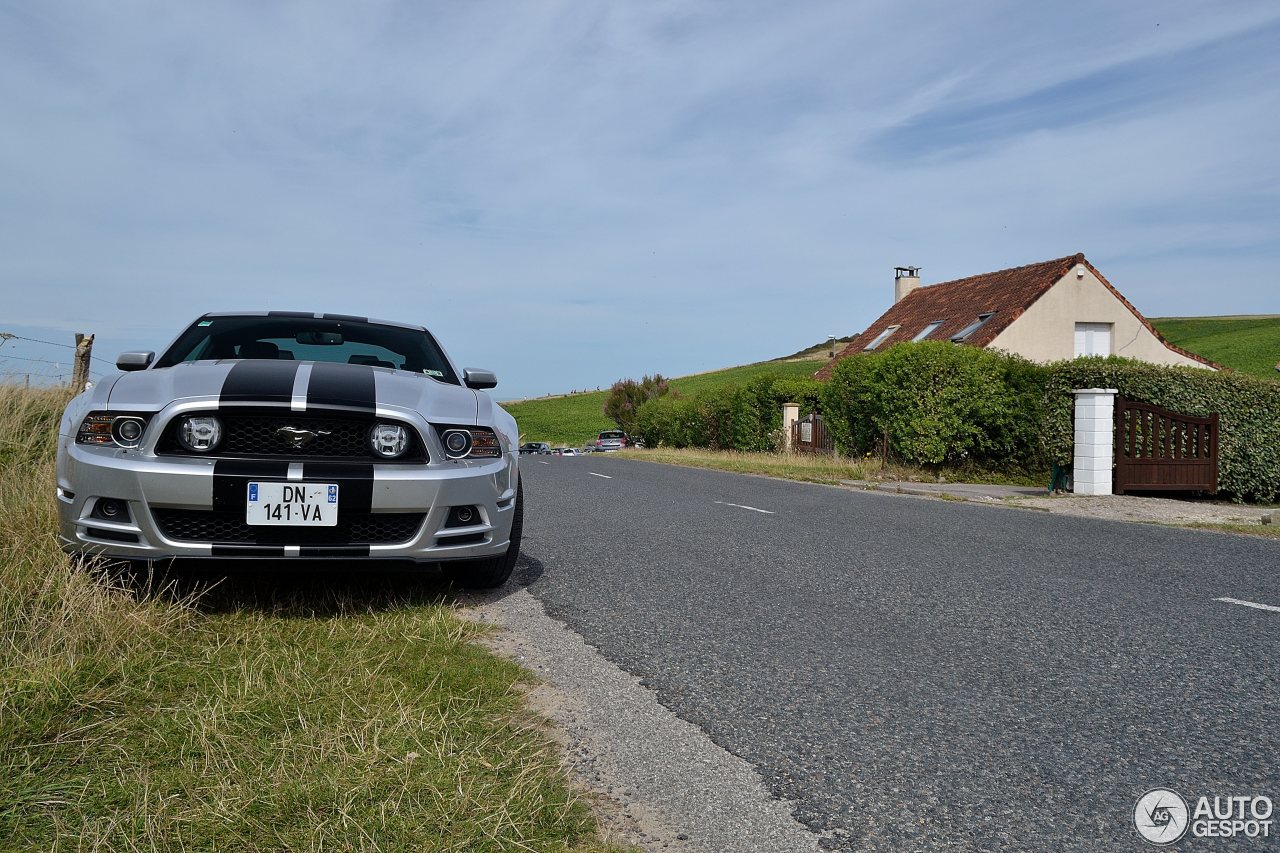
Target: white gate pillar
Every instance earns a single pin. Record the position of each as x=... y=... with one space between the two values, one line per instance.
x=790 y=414
x=1094 y=441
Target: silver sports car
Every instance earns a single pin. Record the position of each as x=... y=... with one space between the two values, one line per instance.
x=294 y=435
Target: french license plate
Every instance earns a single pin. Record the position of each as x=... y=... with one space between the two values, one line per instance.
x=295 y=504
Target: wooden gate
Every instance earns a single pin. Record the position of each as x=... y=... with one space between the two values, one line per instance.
x=1156 y=449
x=810 y=435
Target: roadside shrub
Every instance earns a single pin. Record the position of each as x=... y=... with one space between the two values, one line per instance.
x=1248 y=414
x=933 y=403
x=734 y=417
x=627 y=396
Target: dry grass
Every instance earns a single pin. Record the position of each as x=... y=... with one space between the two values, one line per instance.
x=349 y=712
x=814 y=469
x=1267 y=531
x=829 y=469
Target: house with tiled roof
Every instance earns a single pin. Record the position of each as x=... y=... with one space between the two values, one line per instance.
x=1050 y=311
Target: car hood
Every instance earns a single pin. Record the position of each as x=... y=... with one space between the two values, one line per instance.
x=316 y=385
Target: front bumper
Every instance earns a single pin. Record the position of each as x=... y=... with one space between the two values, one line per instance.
x=149 y=485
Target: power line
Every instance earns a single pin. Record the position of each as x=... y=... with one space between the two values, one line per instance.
x=24 y=358
x=10 y=336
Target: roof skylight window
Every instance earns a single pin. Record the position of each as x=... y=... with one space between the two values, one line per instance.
x=928 y=330
x=968 y=330
x=880 y=338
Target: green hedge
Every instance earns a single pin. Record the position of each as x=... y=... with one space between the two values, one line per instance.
x=933 y=403
x=1248 y=414
x=736 y=417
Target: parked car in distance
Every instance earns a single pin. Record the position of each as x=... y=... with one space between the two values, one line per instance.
x=612 y=439
x=570 y=451
x=540 y=448
x=287 y=435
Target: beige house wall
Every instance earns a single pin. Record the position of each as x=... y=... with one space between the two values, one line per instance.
x=1046 y=330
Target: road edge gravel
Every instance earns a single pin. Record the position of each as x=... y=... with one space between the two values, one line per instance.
x=661 y=783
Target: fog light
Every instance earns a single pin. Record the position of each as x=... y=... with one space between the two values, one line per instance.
x=199 y=434
x=111 y=509
x=462 y=516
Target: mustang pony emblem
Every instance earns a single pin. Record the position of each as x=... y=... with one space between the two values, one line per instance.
x=298 y=437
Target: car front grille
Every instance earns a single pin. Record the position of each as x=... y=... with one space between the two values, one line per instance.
x=254 y=435
x=357 y=528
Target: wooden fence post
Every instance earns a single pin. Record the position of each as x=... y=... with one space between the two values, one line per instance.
x=84 y=353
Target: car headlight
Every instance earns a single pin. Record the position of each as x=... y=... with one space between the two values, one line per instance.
x=199 y=433
x=103 y=428
x=389 y=440
x=470 y=443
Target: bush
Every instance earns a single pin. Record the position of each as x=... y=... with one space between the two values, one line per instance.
x=627 y=396
x=1248 y=414
x=934 y=402
x=734 y=417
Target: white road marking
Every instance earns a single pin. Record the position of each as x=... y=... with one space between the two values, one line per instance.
x=594 y=474
x=744 y=506
x=540 y=462
x=1252 y=604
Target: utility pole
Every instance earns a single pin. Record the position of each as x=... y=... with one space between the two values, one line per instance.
x=84 y=352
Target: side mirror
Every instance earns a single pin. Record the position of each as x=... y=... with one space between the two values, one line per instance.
x=479 y=379
x=134 y=360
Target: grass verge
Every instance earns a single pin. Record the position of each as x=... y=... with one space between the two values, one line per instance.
x=350 y=712
x=1267 y=531
x=813 y=469
x=826 y=469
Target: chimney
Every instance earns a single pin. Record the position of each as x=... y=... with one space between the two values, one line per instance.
x=905 y=280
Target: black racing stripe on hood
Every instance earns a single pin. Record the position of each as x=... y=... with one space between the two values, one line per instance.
x=231 y=478
x=259 y=381
x=348 y=317
x=354 y=479
x=348 y=385
x=308 y=315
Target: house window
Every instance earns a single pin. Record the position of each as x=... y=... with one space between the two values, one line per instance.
x=880 y=338
x=1093 y=339
x=928 y=330
x=972 y=327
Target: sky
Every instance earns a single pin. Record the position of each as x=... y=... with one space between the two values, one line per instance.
x=569 y=193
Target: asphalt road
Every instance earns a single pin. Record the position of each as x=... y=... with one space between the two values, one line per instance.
x=918 y=674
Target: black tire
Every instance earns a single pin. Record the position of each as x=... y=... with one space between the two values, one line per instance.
x=493 y=572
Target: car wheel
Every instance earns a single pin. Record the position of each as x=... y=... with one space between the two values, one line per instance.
x=493 y=572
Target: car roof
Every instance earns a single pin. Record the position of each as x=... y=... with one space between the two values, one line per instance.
x=309 y=315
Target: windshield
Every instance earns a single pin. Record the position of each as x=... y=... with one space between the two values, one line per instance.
x=309 y=339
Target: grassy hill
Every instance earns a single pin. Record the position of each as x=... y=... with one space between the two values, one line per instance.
x=1249 y=344
x=573 y=419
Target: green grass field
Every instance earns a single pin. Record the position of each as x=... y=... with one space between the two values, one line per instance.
x=1249 y=344
x=575 y=419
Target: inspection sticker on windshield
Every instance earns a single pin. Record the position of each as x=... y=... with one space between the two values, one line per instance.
x=433 y=372
x=298 y=504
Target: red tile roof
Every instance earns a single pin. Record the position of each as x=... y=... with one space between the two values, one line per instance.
x=1005 y=295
